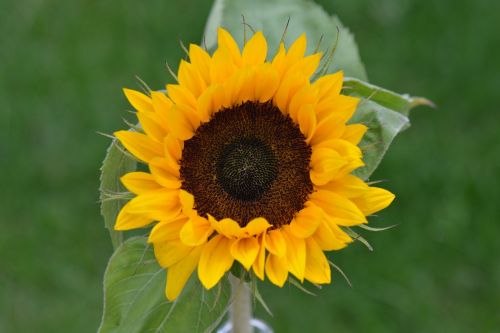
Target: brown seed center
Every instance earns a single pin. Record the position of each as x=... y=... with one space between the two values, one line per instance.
x=248 y=161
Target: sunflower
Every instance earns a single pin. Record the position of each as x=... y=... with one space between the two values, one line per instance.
x=250 y=161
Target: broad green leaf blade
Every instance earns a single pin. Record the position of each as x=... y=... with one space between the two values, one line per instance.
x=115 y=164
x=383 y=125
x=134 y=297
x=271 y=17
x=402 y=103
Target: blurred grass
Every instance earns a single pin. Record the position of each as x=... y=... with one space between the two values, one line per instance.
x=62 y=65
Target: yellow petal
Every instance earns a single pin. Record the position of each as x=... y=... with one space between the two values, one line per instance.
x=343 y=147
x=288 y=88
x=162 y=105
x=295 y=254
x=259 y=263
x=354 y=133
x=201 y=60
x=297 y=50
x=150 y=123
x=157 y=205
x=178 y=274
x=341 y=106
x=170 y=253
x=275 y=243
x=279 y=60
x=196 y=231
x=215 y=261
x=187 y=201
x=306 y=95
x=140 y=145
x=173 y=147
x=247 y=88
x=325 y=165
x=139 y=182
x=349 y=154
x=225 y=40
x=221 y=66
x=180 y=123
x=337 y=231
x=245 y=250
x=190 y=78
x=128 y=221
x=373 y=200
x=255 y=50
x=139 y=101
x=327 y=239
x=191 y=114
x=166 y=231
x=345 y=212
x=307 y=65
x=306 y=221
x=266 y=82
x=346 y=105
x=206 y=104
x=329 y=128
x=276 y=269
x=329 y=85
x=307 y=121
x=227 y=227
x=348 y=186
x=165 y=172
x=219 y=98
x=256 y=226
x=233 y=87
x=317 y=266
x=181 y=95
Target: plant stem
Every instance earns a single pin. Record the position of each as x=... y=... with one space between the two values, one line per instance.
x=241 y=307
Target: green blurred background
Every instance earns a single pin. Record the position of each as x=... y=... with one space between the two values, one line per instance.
x=62 y=66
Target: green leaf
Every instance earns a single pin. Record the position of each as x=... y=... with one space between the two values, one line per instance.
x=401 y=103
x=271 y=17
x=115 y=164
x=135 y=302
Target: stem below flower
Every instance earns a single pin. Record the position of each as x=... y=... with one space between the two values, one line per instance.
x=241 y=307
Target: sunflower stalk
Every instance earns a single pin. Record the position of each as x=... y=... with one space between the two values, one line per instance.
x=241 y=306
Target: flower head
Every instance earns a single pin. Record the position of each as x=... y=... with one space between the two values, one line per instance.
x=249 y=161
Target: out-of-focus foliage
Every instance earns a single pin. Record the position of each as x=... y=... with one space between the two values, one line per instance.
x=63 y=64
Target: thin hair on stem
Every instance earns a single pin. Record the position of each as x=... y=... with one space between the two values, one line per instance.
x=135 y=127
x=354 y=235
x=143 y=85
x=244 y=29
x=299 y=286
x=184 y=48
x=329 y=59
x=249 y=26
x=285 y=30
x=365 y=227
x=374 y=182
x=204 y=42
x=171 y=72
x=319 y=44
x=141 y=260
x=369 y=98
x=338 y=269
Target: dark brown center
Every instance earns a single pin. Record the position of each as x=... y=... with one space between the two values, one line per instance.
x=248 y=161
x=246 y=168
